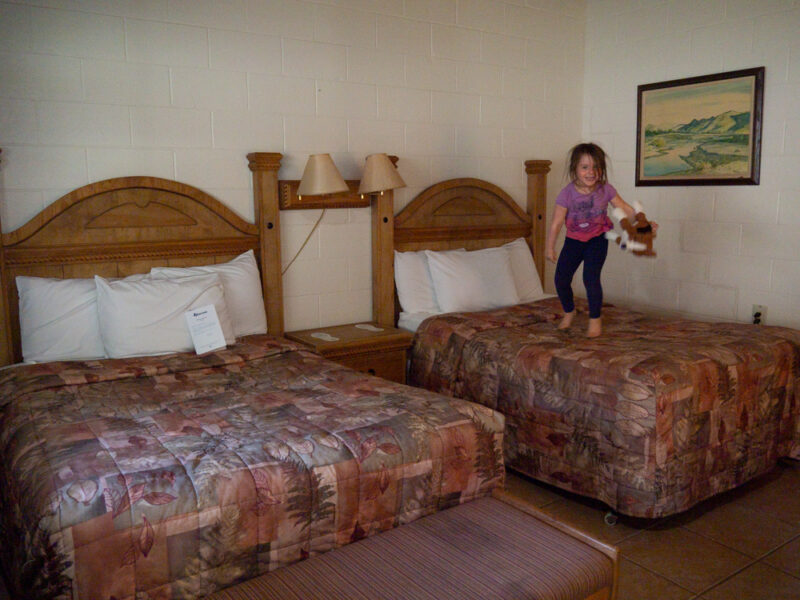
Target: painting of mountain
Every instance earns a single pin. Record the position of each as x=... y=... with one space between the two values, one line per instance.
x=727 y=122
x=700 y=130
x=717 y=145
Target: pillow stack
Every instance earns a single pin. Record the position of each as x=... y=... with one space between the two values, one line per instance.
x=456 y=280
x=141 y=315
x=242 y=283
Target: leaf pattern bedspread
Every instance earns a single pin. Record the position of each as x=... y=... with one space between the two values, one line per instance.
x=652 y=417
x=174 y=476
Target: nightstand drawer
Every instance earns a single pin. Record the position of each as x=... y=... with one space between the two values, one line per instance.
x=366 y=347
x=389 y=365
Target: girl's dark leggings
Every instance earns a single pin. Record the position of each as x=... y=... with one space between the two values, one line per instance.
x=593 y=255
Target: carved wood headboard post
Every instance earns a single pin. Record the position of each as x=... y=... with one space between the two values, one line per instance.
x=264 y=166
x=6 y=342
x=383 y=256
x=537 y=171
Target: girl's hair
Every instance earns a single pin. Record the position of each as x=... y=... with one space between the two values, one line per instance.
x=595 y=152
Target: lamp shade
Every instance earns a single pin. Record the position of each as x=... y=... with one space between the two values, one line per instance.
x=321 y=177
x=379 y=175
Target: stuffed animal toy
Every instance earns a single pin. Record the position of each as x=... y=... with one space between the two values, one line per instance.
x=636 y=237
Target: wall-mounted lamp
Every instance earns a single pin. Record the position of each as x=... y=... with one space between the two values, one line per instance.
x=380 y=174
x=321 y=177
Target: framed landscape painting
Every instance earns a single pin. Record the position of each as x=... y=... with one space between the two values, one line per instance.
x=700 y=130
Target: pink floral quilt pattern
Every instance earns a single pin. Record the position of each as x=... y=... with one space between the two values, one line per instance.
x=652 y=417
x=174 y=476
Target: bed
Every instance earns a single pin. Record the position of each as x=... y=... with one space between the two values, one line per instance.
x=651 y=418
x=176 y=475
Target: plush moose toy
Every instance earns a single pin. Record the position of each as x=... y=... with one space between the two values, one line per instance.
x=636 y=237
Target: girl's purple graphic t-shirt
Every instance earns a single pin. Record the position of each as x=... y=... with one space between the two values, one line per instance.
x=586 y=213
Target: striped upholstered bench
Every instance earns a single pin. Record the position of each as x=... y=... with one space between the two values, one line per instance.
x=492 y=548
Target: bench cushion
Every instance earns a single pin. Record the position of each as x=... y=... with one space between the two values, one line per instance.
x=482 y=549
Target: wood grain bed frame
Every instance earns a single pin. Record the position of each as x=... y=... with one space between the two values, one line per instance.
x=127 y=225
x=122 y=226
x=457 y=213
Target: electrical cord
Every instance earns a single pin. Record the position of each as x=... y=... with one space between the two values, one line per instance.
x=308 y=237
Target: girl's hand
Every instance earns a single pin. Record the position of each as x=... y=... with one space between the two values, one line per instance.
x=551 y=255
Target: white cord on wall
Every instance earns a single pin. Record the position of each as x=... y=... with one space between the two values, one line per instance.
x=308 y=237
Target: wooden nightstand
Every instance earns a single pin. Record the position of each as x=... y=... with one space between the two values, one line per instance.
x=366 y=347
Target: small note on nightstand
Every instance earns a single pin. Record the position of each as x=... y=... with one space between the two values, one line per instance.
x=325 y=337
x=368 y=327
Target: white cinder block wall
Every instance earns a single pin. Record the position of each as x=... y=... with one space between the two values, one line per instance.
x=184 y=89
x=720 y=249
x=91 y=89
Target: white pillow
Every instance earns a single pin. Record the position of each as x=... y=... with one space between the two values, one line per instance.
x=467 y=281
x=58 y=319
x=526 y=277
x=146 y=317
x=413 y=282
x=243 y=292
x=412 y=277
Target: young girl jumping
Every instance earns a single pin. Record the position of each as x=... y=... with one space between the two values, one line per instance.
x=582 y=206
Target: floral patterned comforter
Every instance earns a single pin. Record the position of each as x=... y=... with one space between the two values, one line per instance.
x=651 y=418
x=174 y=476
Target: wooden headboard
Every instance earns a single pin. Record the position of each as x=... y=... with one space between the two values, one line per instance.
x=463 y=213
x=127 y=225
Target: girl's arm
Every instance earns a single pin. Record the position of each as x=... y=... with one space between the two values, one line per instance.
x=618 y=202
x=559 y=216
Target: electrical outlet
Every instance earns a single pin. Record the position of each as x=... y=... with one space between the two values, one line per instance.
x=759 y=314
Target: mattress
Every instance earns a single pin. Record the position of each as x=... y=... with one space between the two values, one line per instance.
x=178 y=475
x=411 y=321
x=652 y=417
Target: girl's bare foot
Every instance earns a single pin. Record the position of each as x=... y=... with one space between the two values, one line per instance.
x=567 y=320
x=595 y=328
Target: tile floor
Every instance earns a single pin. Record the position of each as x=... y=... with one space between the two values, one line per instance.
x=742 y=545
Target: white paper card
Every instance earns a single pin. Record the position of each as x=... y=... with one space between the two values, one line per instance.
x=325 y=337
x=205 y=329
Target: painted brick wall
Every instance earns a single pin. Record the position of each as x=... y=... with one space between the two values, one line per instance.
x=721 y=249
x=91 y=89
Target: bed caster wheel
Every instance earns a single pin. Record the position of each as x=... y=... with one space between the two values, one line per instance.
x=610 y=518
